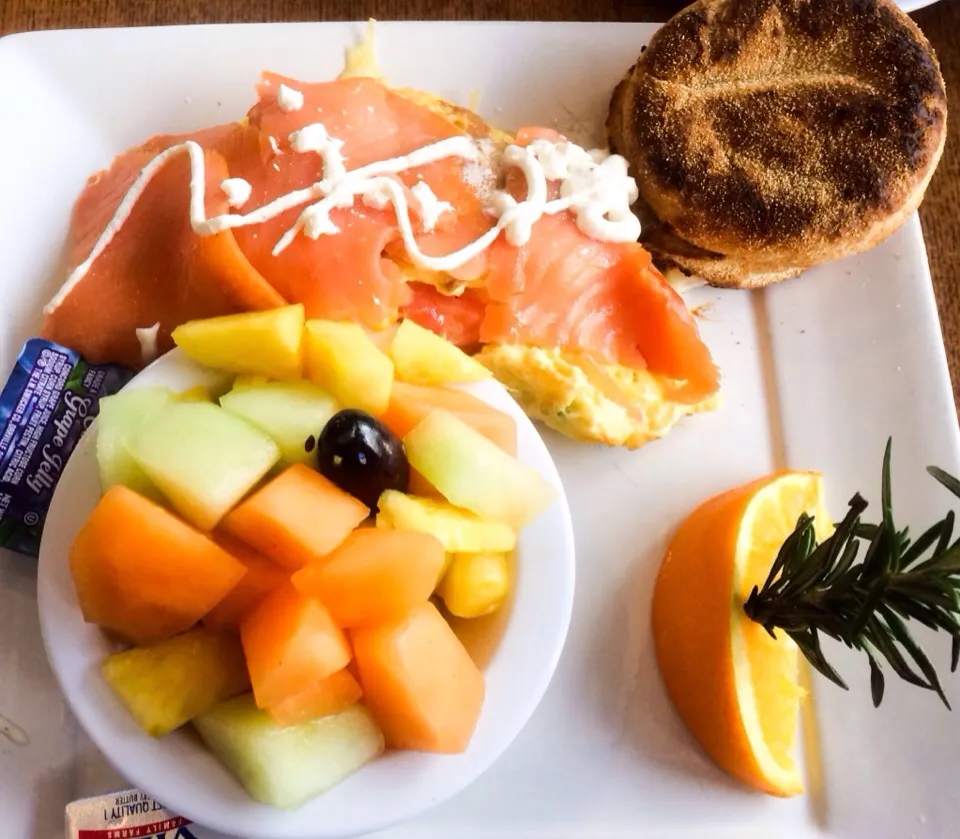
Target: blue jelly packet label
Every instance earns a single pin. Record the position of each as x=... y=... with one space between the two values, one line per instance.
x=51 y=397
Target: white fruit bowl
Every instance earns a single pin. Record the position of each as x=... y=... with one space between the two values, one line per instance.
x=523 y=646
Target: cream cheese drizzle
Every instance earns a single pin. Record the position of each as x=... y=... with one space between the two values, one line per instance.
x=429 y=207
x=237 y=191
x=332 y=192
x=372 y=184
x=594 y=186
x=289 y=99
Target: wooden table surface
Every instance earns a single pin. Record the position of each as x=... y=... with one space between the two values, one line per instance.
x=940 y=212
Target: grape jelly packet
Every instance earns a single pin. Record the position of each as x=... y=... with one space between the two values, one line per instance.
x=130 y=814
x=51 y=397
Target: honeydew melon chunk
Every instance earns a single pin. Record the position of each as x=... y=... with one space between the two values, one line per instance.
x=202 y=458
x=285 y=766
x=422 y=357
x=119 y=417
x=267 y=343
x=472 y=472
x=290 y=412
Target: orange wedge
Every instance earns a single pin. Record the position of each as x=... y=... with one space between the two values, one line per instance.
x=733 y=685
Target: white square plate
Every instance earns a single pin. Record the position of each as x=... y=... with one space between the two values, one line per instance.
x=817 y=373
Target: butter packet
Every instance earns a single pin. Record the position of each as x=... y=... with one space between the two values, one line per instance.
x=129 y=814
x=51 y=397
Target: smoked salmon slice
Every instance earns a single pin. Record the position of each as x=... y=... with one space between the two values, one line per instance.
x=346 y=275
x=563 y=289
x=456 y=318
x=560 y=289
x=155 y=270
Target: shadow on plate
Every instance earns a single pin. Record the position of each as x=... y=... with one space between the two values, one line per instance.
x=631 y=696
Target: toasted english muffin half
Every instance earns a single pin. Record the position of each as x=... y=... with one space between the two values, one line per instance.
x=773 y=135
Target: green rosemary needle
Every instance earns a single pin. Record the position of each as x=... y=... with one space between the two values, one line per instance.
x=821 y=589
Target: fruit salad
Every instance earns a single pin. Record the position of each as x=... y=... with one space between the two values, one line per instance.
x=281 y=561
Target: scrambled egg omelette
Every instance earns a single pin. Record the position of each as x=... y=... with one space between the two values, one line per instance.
x=610 y=404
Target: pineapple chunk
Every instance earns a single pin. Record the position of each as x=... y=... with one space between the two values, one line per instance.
x=167 y=684
x=245 y=380
x=343 y=360
x=475 y=584
x=268 y=343
x=459 y=531
x=284 y=766
x=422 y=357
x=195 y=394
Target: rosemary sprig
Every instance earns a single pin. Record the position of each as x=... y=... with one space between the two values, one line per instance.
x=820 y=589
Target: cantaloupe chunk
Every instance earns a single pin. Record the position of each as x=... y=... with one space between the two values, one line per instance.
x=298 y=517
x=328 y=696
x=168 y=683
x=409 y=404
x=419 y=681
x=263 y=577
x=343 y=360
x=291 y=643
x=423 y=357
x=268 y=343
x=375 y=576
x=145 y=574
